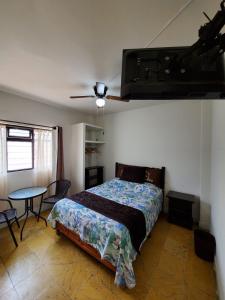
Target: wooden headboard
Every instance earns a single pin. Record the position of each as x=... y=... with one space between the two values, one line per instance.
x=153 y=175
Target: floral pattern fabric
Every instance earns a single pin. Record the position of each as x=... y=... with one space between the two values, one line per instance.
x=109 y=237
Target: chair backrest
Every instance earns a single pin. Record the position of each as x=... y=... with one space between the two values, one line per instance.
x=62 y=187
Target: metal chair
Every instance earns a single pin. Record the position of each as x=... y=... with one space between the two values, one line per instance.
x=8 y=215
x=62 y=187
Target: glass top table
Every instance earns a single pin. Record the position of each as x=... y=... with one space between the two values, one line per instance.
x=28 y=194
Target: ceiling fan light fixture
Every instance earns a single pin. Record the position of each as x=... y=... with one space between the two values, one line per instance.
x=100 y=86
x=100 y=102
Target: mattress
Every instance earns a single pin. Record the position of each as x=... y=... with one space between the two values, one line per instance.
x=110 y=238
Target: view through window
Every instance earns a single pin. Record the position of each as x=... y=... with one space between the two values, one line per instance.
x=20 y=145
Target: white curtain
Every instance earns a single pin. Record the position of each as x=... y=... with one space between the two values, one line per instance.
x=42 y=157
x=3 y=162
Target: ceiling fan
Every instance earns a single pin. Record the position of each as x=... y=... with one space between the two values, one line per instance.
x=100 y=90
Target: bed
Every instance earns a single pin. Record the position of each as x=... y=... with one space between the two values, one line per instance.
x=104 y=238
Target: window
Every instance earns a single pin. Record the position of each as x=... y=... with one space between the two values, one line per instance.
x=20 y=148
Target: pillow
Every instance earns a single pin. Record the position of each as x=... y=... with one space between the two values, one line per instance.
x=153 y=175
x=119 y=169
x=133 y=174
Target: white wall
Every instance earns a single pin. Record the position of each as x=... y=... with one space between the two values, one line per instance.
x=188 y=138
x=19 y=109
x=218 y=189
x=205 y=163
x=161 y=135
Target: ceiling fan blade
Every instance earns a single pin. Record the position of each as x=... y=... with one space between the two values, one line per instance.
x=81 y=97
x=110 y=97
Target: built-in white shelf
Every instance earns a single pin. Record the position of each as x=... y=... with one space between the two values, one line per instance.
x=85 y=137
x=92 y=127
x=94 y=142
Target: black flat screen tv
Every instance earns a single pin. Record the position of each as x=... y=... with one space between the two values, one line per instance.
x=154 y=74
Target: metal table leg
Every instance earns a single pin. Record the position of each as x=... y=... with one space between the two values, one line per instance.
x=40 y=217
x=29 y=208
x=26 y=213
x=37 y=214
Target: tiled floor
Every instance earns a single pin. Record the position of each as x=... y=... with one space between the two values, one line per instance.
x=46 y=266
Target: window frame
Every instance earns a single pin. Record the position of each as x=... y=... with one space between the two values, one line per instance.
x=20 y=139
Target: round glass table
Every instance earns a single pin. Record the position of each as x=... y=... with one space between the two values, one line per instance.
x=28 y=194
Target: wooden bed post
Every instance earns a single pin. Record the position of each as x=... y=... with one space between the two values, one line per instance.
x=116 y=168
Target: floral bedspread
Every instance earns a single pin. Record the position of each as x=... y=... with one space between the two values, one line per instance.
x=109 y=237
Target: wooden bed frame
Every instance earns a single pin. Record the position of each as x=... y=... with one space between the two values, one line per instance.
x=61 y=229
x=74 y=237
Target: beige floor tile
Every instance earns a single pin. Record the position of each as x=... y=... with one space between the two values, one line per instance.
x=168 y=285
x=173 y=265
x=31 y=287
x=200 y=275
x=70 y=277
x=39 y=244
x=62 y=251
x=93 y=289
x=140 y=292
x=158 y=295
x=176 y=248
x=159 y=235
x=181 y=234
x=148 y=261
x=7 y=245
x=51 y=232
x=10 y=295
x=5 y=282
x=196 y=294
x=21 y=263
x=46 y=266
x=53 y=293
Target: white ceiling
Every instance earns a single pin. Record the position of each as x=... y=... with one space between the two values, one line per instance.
x=51 y=49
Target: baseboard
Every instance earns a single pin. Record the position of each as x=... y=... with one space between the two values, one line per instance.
x=220 y=288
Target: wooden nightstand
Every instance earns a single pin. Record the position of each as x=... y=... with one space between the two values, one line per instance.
x=180 y=209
